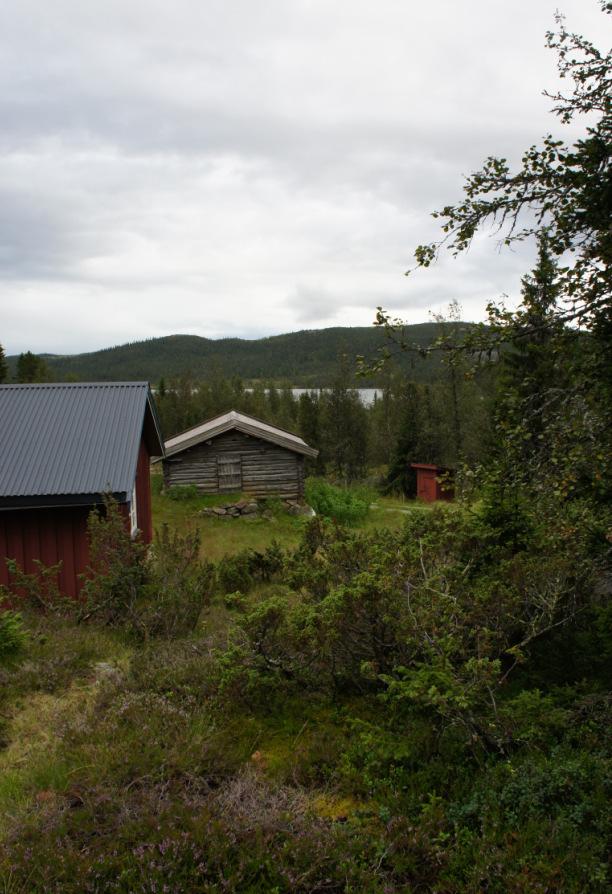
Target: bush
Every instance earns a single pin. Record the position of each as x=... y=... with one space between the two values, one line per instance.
x=115 y=580
x=156 y=594
x=347 y=505
x=241 y=571
x=13 y=637
x=179 y=585
x=234 y=573
x=39 y=589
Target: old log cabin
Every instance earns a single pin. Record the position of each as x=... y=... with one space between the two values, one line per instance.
x=238 y=453
x=63 y=447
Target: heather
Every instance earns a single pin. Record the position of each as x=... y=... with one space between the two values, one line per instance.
x=379 y=710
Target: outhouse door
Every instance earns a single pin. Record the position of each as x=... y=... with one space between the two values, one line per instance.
x=229 y=473
x=426 y=485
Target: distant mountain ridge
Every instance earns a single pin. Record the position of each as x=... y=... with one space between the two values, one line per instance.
x=304 y=358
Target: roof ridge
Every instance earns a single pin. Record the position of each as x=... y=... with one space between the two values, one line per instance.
x=59 y=385
x=251 y=425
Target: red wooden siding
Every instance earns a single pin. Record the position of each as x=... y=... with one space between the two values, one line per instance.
x=60 y=534
x=143 y=493
x=426 y=485
x=50 y=535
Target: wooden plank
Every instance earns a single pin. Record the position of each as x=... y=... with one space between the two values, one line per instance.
x=229 y=473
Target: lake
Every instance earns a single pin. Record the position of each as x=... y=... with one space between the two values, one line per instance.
x=367 y=395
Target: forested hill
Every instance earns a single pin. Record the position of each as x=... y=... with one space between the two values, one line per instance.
x=309 y=357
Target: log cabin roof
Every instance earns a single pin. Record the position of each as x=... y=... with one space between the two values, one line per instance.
x=248 y=425
x=69 y=443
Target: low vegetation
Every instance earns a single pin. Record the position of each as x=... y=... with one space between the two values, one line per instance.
x=374 y=710
x=343 y=504
x=226 y=536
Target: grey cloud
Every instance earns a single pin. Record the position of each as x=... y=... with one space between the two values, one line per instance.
x=235 y=164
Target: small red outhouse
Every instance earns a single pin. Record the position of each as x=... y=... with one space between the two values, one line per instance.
x=433 y=482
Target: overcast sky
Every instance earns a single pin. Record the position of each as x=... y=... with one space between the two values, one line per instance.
x=250 y=167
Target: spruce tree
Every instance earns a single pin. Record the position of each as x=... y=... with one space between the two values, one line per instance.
x=309 y=426
x=401 y=477
x=31 y=368
x=345 y=422
x=4 y=371
x=534 y=368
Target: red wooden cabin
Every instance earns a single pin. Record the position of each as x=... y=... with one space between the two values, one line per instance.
x=433 y=482
x=63 y=447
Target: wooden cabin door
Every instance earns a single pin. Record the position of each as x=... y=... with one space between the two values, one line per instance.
x=229 y=473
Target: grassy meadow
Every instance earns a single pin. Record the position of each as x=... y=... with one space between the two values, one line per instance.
x=226 y=536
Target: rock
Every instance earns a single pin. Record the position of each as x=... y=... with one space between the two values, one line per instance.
x=219 y=510
x=250 y=509
x=241 y=505
x=297 y=509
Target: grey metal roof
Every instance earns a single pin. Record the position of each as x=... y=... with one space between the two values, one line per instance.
x=249 y=425
x=71 y=439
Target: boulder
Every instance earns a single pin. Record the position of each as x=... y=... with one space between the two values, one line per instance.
x=300 y=509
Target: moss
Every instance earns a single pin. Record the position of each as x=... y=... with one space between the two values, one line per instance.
x=30 y=764
x=335 y=807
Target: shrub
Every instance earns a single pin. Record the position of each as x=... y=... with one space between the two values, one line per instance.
x=240 y=571
x=13 y=637
x=347 y=505
x=38 y=590
x=115 y=580
x=234 y=573
x=156 y=593
x=179 y=585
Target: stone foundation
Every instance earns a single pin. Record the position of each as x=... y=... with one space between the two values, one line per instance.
x=253 y=509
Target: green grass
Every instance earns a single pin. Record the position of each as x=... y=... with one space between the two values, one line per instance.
x=56 y=683
x=402 y=504
x=227 y=536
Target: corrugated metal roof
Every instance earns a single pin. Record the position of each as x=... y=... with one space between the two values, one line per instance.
x=71 y=438
x=249 y=425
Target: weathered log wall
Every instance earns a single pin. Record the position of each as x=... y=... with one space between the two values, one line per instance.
x=257 y=467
